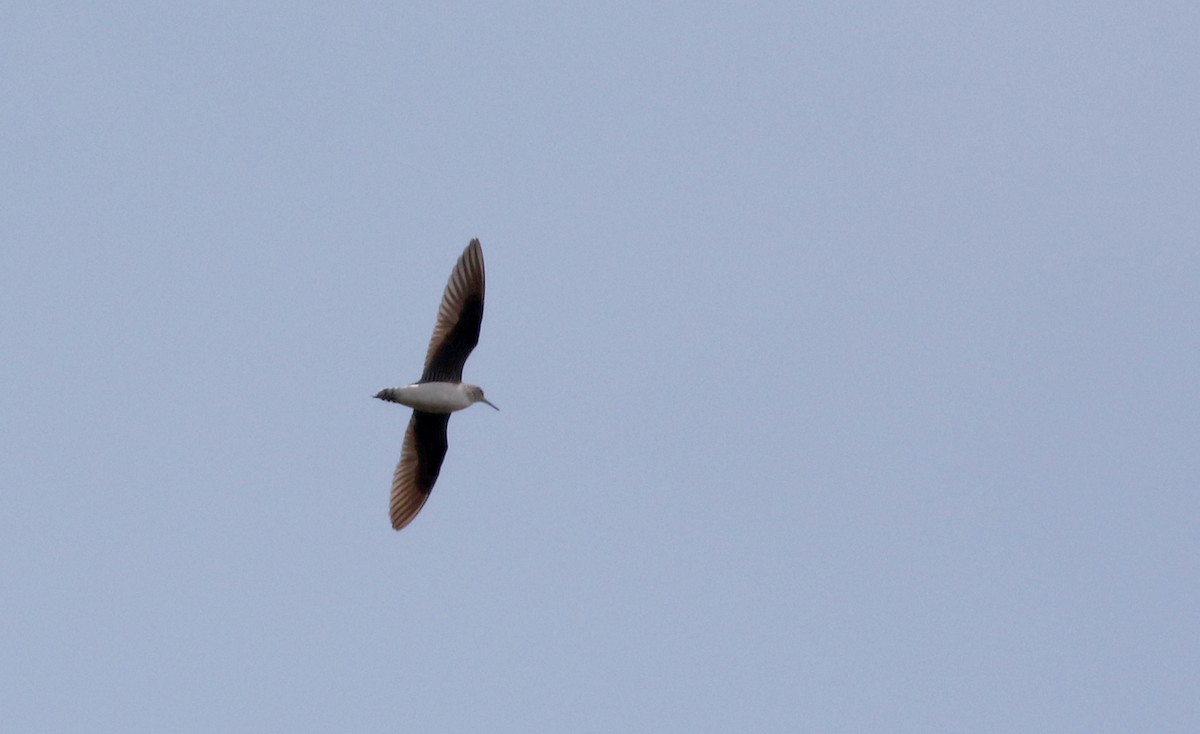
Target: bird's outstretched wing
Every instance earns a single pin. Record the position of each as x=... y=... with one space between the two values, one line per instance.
x=420 y=462
x=457 y=329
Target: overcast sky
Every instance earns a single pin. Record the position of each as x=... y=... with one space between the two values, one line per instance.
x=846 y=357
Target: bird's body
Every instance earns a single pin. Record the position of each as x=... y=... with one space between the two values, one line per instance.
x=440 y=391
x=435 y=397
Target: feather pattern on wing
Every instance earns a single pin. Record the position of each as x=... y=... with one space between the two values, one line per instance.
x=459 y=316
x=420 y=463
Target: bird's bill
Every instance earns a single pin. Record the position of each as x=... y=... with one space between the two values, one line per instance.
x=485 y=400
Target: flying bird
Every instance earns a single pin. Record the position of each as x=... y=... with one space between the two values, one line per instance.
x=440 y=391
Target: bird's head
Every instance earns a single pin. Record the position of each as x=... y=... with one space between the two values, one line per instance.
x=475 y=393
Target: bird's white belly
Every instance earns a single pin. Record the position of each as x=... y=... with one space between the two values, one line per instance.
x=433 y=397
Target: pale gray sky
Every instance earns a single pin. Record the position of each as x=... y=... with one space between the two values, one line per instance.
x=847 y=359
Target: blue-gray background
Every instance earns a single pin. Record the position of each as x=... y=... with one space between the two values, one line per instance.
x=847 y=359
